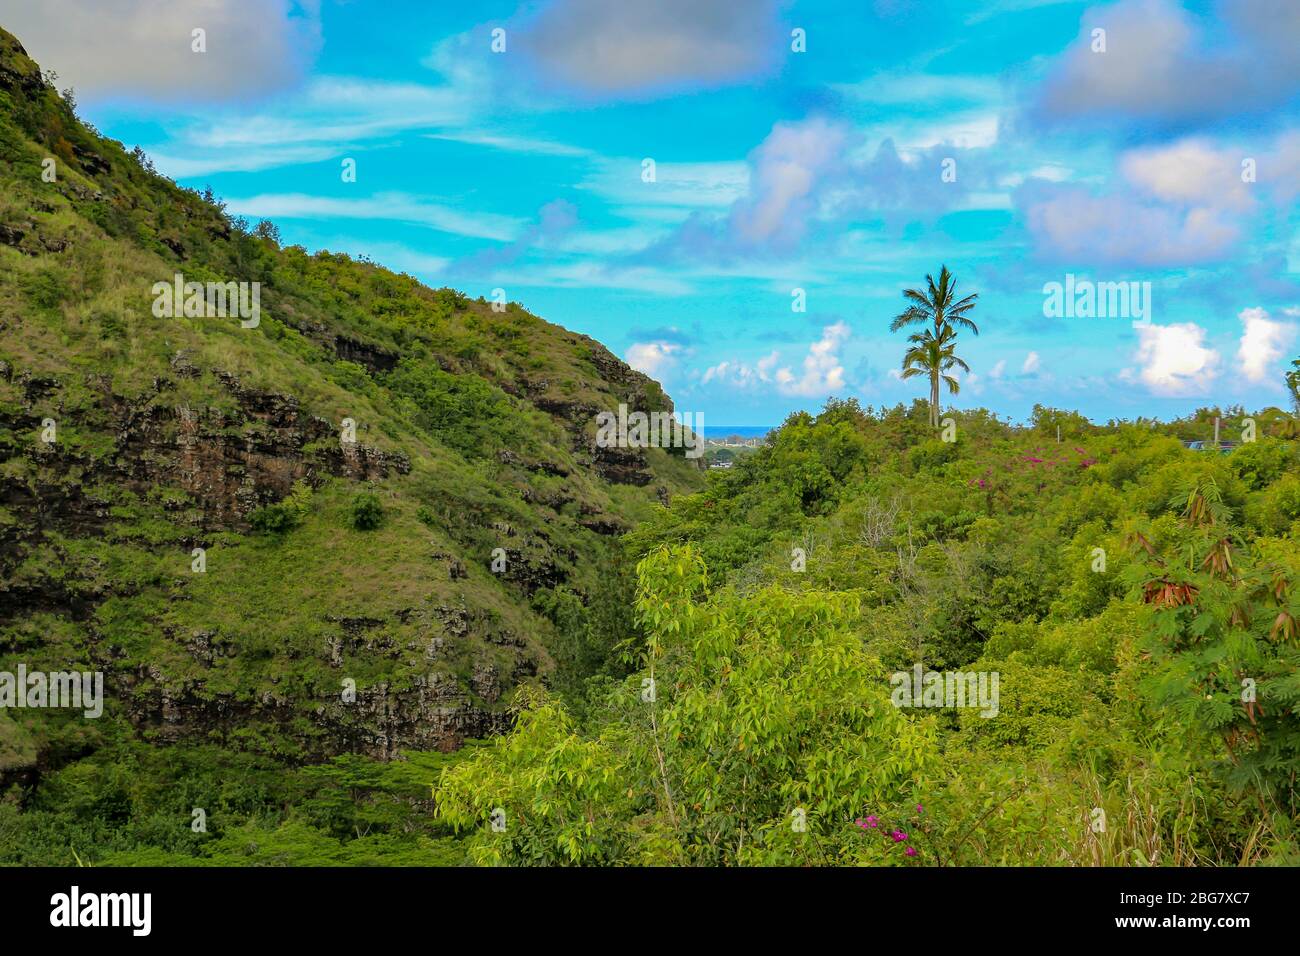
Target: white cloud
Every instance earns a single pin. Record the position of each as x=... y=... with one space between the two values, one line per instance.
x=332 y=118
x=721 y=371
x=250 y=160
x=1180 y=204
x=1164 y=63
x=787 y=166
x=1031 y=364
x=741 y=374
x=1193 y=172
x=608 y=47
x=143 y=47
x=339 y=109
x=972 y=383
x=652 y=358
x=686 y=186
x=1071 y=223
x=395 y=206
x=1052 y=172
x=1281 y=168
x=511 y=144
x=1263 y=342
x=822 y=371
x=999 y=369
x=969 y=129
x=1174 y=360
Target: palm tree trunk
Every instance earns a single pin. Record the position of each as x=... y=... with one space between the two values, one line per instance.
x=934 y=398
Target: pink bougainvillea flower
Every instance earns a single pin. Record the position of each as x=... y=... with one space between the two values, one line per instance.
x=873 y=822
x=920 y=809
x=899 y=836
x=911 y=851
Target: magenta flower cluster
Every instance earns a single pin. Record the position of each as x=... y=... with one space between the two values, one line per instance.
x=898 y=836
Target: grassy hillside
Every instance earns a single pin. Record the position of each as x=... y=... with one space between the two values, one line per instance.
x=128 y=440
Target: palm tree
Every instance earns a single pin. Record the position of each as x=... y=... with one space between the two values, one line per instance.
x=938 y=306
x=934 y=356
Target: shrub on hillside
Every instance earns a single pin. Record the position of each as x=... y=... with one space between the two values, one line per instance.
x=367 y=512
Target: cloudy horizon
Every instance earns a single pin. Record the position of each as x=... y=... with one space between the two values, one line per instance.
x=732 y=196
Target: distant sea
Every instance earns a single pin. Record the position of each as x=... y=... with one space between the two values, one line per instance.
x=744 y=431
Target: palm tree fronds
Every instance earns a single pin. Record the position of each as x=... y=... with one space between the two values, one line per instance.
x=933 y=350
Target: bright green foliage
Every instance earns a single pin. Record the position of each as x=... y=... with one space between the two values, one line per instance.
x=763 y=710
x=284 y=515
x=133 y=806
x=367 y=511
x=730 y=703
x=1004 y=552
x=464 y=411
x=1225 y=641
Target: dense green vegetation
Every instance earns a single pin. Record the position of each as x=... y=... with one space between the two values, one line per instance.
x=292 y=626
x=302 y=637
x=132 y=804
x=1138 y=600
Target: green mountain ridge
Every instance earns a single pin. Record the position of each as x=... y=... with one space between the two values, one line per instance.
x=328 y=564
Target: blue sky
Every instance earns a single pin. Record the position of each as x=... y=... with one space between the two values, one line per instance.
x=1170 y=157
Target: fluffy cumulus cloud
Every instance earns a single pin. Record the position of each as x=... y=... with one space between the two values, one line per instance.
x=822 y=372
x=787 y=174
x=786 y=168
x=145 y=47
x=812 y=178
x=1032 y=364
x=653 y=358
x=1174 y=360
x=1187 y=202
x=1193 y=172
x=741 y=374
x=1162 y=64
x=1071 y=223
x=631 y=48
x=1263 y=344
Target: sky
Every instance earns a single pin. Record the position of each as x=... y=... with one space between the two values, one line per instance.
x=733 y=194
